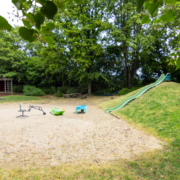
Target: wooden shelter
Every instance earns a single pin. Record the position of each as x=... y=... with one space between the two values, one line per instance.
x=6 y=85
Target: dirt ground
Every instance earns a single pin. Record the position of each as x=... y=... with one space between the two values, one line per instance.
x=95 y=137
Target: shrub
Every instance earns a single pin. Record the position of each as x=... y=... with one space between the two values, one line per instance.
x=48 y=90
x=103 y=91
x=18 y=88
x=72 y=90
x=59 y=93
x=124 y=91
x=32 y=91
x=63 y=89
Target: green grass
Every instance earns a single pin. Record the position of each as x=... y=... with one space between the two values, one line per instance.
x=18 y=98
x=157 y=112
x=69 y=172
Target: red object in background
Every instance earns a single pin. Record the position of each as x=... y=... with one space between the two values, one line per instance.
x=1 y=85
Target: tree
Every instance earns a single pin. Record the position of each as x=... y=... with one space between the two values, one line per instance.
x=129 y=36
x=12 y=58
x=33 y=18
x=154 y=8
x=78 y=41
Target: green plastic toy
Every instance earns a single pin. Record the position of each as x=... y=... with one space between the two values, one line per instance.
x=57 y=111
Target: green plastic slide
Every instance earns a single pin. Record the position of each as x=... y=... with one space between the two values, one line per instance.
x=142 y=91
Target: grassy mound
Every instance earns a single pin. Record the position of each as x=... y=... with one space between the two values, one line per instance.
x=157 y=111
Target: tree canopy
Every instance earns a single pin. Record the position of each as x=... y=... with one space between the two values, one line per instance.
x=94 y=45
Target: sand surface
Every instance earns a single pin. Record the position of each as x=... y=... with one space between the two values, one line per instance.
x=52 y=140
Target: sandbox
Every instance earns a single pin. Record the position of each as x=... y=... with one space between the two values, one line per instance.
x=44 y=140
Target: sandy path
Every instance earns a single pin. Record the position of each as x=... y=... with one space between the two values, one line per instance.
x=51 y=140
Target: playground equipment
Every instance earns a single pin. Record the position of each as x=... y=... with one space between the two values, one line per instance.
x=21 y=110
x=36 y=107
x=82 y=108
x=30 y=107
x=162 y=78
x=57 y=111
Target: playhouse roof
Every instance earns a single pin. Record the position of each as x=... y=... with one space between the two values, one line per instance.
x=5 y=79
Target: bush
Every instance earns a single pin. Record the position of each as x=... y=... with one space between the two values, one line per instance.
x=50 y=90
x=32 y=91
x=103 y=91
x=124 y=91
x=63 y=89
x=72 y=90
x=18 y=88
x=59 y=93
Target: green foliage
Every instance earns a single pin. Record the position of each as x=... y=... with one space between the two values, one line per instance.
x=130 y=38
x=12 y=58
x=168 y=17
x=104 y=91
x=140 y=4
x=28 y=34
x=18 y=4
x=36 y=18
x=26 y=23
x=79 y=56
x=82 y=39
x=145 y=20
x=18 y=88
x=79 y=1
x=59 y=93
x=32 y=91
x=49 y=9
x=152 y=6
x=35 y=73
x=39 y=20
x=63 y=89
x=49 y=40
x=4 y=25
x=48 y=90
x=72 y=90
x=124 y=91
x=178 y=63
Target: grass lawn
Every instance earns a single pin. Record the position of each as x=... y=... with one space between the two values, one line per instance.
x=18 y=98
x=156 y=112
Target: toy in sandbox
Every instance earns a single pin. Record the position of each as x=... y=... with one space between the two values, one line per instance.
x=82 y=108
x=57 y=111
x=30 y=107
x=36 y=107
